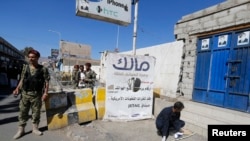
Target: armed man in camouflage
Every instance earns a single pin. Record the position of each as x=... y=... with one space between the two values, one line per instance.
x=90 y=76
x=75 y=78
x=33 y=86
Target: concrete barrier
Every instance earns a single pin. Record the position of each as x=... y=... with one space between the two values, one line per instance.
x=56 y=105
x=77 y=106
x=82 y=99
x=100 y=102
x=157 y=92
x=63 y=109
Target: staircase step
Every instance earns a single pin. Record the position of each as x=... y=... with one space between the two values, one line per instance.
x=198 y=115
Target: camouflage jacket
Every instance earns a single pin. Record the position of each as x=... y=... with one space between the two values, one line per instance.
x=45 y=73
x=75 y=76
x=90 y=78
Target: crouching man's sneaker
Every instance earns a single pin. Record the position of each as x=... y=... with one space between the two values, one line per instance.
x=178 y=135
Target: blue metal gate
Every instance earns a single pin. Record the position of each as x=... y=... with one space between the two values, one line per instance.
x=222 y=75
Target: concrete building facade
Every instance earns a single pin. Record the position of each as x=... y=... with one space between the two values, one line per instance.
x=230 y=18
x=213 y=80
x=75 y=54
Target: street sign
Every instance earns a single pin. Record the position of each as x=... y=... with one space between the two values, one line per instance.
x=113 y=11
x=54 y=53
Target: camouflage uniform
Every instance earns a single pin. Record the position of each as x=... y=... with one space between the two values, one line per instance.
x=31 y=99
x=90 y=78
x=75 y=78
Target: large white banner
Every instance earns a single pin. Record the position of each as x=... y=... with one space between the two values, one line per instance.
x=129 y=87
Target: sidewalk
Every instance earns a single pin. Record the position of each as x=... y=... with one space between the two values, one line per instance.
x=9 y=122
x=141 y=130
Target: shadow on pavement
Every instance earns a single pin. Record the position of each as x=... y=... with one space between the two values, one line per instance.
x=5 y=92
x=44 y=128
x=10 y=107
x=8 y=120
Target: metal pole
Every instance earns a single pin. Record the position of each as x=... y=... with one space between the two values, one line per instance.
x=135 y=26
x=69 y=60
x=117 y=40
x=59 y=35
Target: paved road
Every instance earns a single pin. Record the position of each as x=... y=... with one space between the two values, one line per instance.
x=9 y=121
x=143 y=130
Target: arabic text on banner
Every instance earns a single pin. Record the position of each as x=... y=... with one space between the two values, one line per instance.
x=129 y=87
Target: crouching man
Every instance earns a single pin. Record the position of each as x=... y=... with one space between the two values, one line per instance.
x=169 y=119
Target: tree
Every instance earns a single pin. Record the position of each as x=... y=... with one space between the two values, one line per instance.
x=26 y=50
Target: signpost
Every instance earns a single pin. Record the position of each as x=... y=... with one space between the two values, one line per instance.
x=54 y=53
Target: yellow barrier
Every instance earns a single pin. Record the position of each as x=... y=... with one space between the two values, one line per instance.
x=77 y=106
x=84 y=105
x=157 y=92
x=55 y=106
x=69 y=107
x=100 y=102
x=57 y=121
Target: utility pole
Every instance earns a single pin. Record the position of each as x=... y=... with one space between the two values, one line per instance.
x=117 y=40
x=59 y=35
x=135 y=2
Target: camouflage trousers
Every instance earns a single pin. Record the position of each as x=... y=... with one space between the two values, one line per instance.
x=75 y=84
x=29 y=101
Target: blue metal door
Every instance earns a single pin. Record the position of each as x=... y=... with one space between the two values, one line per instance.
x=238 y=76
x=222 y=76
x=202 y=70
x=218 y=68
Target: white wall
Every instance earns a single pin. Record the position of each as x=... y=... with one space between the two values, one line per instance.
x=97 y=71
x=167 y=68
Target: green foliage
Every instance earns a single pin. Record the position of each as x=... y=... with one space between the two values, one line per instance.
x=26 y=50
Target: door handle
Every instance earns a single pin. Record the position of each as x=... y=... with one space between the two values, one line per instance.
x=231 y=77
